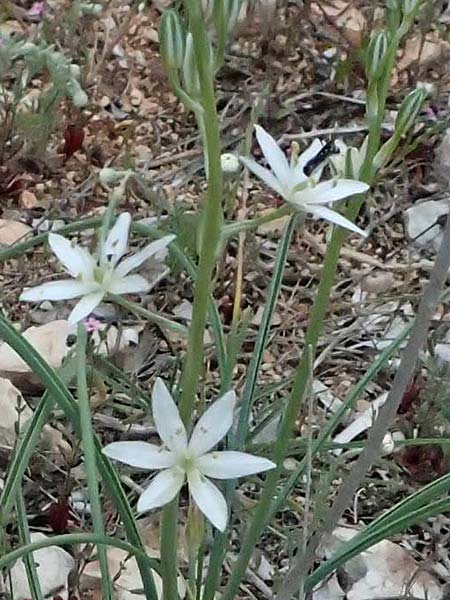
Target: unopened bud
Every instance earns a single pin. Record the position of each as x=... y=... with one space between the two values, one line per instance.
x=190 y=72
x=195 y=529
x=409 y=6
x=393 y=14
x=409 y=110
x=109 y=176
x=375 y=55
x=229 y=164
x=80 y=98
x=225 y=14
x=75 y=71
x=172 y=40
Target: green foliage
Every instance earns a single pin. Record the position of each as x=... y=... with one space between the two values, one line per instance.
x=33 y=115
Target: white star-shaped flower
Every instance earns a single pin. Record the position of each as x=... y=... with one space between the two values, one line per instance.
x=289 y=180
x=193 y=459
x=95 y=276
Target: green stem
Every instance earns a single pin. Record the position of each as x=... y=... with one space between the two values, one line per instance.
x=149 y=315
x=212 y=219
x=168 y=548
x=234 y=228
x=237 y=440
x=87 y=437
x=77 y=538
x=212 y=215
x=24 y=537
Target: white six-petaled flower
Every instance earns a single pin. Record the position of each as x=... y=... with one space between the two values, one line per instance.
x=96 y=275
x=181 y=458
x=303 y=191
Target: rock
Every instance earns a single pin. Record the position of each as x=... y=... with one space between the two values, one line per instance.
x=53 y=566
x=385 y=570
x=422 y=224
x=126 y=576
x=13 y=410
x=49 y=340
x=12 y=231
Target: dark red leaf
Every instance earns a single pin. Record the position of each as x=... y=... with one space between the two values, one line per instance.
x=73 y=140
x=411 y=396
x=59 y=516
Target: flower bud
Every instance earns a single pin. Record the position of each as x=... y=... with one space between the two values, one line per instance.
x=90 y=8
x=409 y=6
x=172 y=40
x=225 y=14
x=190 y=72
x=195 y=529
x=109 y=176
x=229 y=164
x=375 y=55
x=409 y=110
x=80 y=98
x=75 y=71
x=393 y=14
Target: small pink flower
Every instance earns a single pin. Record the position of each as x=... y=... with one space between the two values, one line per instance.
x=92 y=324
x=37 y=10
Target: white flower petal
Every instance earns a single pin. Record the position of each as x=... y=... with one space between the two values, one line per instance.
x=274 y=156
x=209 y=499
x=229 y=464
x=330 y=191
x=140 y=454
x=334 y=217
x=137 y=259
x=116 y=242
x=311 y=151
x=76 y=260
x=85 y=306
x=213 y=425
x=57 y=290
x=162 y=490
x=264 y=174
x=131 y=284
x=167 y=418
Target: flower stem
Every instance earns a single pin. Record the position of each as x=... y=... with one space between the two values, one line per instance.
x=212 y=216
x=212 y=219
x=87 y=436
x=168 y=547
x=149 y=315
x=234 y=228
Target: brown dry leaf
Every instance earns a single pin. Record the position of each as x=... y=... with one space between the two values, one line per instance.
x=343 y=19
x=13 y=410
x=12 y=231
x=50 y=340
x=28 y=199
x=423 y=50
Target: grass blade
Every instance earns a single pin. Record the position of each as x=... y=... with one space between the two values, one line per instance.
x=87 y=437
x=65 y=400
